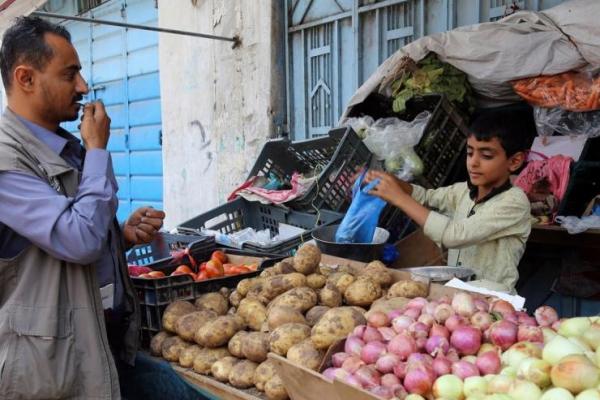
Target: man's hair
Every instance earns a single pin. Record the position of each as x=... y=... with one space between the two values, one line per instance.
x=513 y=127
x=23 y=43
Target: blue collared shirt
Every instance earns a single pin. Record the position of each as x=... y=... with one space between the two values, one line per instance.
x=74 y=229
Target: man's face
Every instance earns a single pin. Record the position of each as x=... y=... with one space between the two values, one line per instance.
x=487 y=163
x=59 y=86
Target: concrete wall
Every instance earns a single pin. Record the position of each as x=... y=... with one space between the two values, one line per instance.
x=219 y=105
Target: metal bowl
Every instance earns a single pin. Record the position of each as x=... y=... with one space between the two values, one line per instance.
x=442 y=273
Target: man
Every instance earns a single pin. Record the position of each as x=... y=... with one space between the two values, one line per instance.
x=67 y=305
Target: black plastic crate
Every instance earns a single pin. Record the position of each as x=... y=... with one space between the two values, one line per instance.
x=584 y=185
x=240 y=214
x=160 y=251
x=334 y=158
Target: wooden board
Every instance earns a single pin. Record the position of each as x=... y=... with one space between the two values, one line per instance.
x=218 y=389
x=347 y=392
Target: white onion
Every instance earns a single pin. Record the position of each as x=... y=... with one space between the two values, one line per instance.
x=449 y=387
x=524 y=390
x=463 y=305
x=559 y=347
x=475 y=385
x=557 y=394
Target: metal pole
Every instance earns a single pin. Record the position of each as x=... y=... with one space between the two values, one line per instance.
x=236 y=40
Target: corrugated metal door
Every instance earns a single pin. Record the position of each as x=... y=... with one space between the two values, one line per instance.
x=121 y=66
x=333 y=46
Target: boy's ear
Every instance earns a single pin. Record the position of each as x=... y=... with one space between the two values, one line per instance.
x=516 y=161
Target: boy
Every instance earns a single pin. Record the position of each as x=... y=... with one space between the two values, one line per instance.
x=484 y=222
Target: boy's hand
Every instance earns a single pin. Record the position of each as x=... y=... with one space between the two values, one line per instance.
x=390 y=188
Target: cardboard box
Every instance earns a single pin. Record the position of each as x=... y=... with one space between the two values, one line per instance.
x=417 y=250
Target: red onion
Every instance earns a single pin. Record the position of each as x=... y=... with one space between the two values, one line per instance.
x=338 y=359
x=418 y=382
x=352 y=381
x=352 y=364
x=330 y=373
x=359 y=331
x=386 y=363
x=439 y=330
x=503 y=334
x=442 y=312
x=391 y=381
x=452 y=355
x=400 y=370
x=526 y=333
x=481 y=304
x=528 y=321
x=429 y=308
x=402 y=345
x=489 y=363
x=441 y=366
x=454 y=321
x=378 y=319
x=394 y=313
x=382 y=392
x=372 y=351
x=387 y=333
x=489 y=347
x=482 y=320
x=512 y=318
x=503 y=307
x=545 y=316
x=464 y=369
x=427 y=320
x=372 y=335
x=463 y=305
x=368 y=376
x=419 y=358
x=412 y=312
x=353 y=345
x=487 y=334
x=444 y=300
x=436 y=345
x=400 y=392
x=417 y=302
x=421 y=342
x=401 y=323
x=418 y=329
x=466 y=340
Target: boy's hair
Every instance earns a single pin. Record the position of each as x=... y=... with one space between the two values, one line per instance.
x=514 y=128
x=24 y=42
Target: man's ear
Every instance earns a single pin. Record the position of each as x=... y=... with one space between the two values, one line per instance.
x=23 y=77
x=516 y=161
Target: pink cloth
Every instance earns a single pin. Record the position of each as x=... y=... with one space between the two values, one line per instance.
x=554 y=169
x=271 y=196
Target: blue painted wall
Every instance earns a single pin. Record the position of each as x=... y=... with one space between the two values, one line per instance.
x=121 y=67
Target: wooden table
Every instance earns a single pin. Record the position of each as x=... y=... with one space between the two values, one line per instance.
x=556 y=235
x=217 y=389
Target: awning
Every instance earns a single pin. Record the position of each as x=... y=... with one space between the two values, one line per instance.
x=10 y=9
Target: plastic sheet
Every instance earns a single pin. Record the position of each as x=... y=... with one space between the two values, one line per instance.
x=575 y=225
x=555 y=120
x=360 y=125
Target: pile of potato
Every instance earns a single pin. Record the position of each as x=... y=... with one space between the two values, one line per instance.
x=296 y=309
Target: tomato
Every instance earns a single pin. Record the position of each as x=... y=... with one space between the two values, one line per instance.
x=184 y=269
x=227 y=268
x=214 y=269
x=156 y=274
x=202 y=276
x=252 y=267
x=219 y=255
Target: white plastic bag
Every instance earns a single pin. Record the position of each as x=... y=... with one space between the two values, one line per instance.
x=564 y=122
x=359 y=125
x=575 y=225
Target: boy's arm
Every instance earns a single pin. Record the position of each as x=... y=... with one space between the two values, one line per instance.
x=444 y=199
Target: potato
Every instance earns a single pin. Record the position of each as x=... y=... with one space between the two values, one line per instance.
x=325 y=270
x=409 y=289
x=188 y=355
x=301 y=299
x=244 y=285
x=175 y=310
x=222 y=368
x=235 y=344
x=225 y=292
x=157 y=341
x=242 y=374
x=283 y=267
x=316 y=281
x=217 y=332
x=213 y=302
x=279 y=284
x=255 y=346
x=307 y=259
x=280 y=315
x=336 y=324
x=362 y=292
x=305 y=354
x=275 y=390
x=378 y=272
x=287 y=335
x=207 y=357
x=263 y=373
x=172 y=347
x=314 y=314
x=235 y=298
x=330 y=296
x=388 y=305
x=341 y=280
x=253 y=313
x=187 y=325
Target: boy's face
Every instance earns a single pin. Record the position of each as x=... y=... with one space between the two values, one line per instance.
x=487 y=163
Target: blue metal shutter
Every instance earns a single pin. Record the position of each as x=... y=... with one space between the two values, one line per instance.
x=121 y=67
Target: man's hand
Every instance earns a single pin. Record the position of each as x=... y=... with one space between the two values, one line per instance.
x=141 y=226
x=95 y=126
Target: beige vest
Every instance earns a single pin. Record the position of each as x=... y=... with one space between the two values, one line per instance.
x=53 y=342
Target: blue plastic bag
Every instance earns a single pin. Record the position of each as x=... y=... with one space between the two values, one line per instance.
x=360 y=221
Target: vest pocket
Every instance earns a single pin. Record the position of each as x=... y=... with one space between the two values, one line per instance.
x=41 y=363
